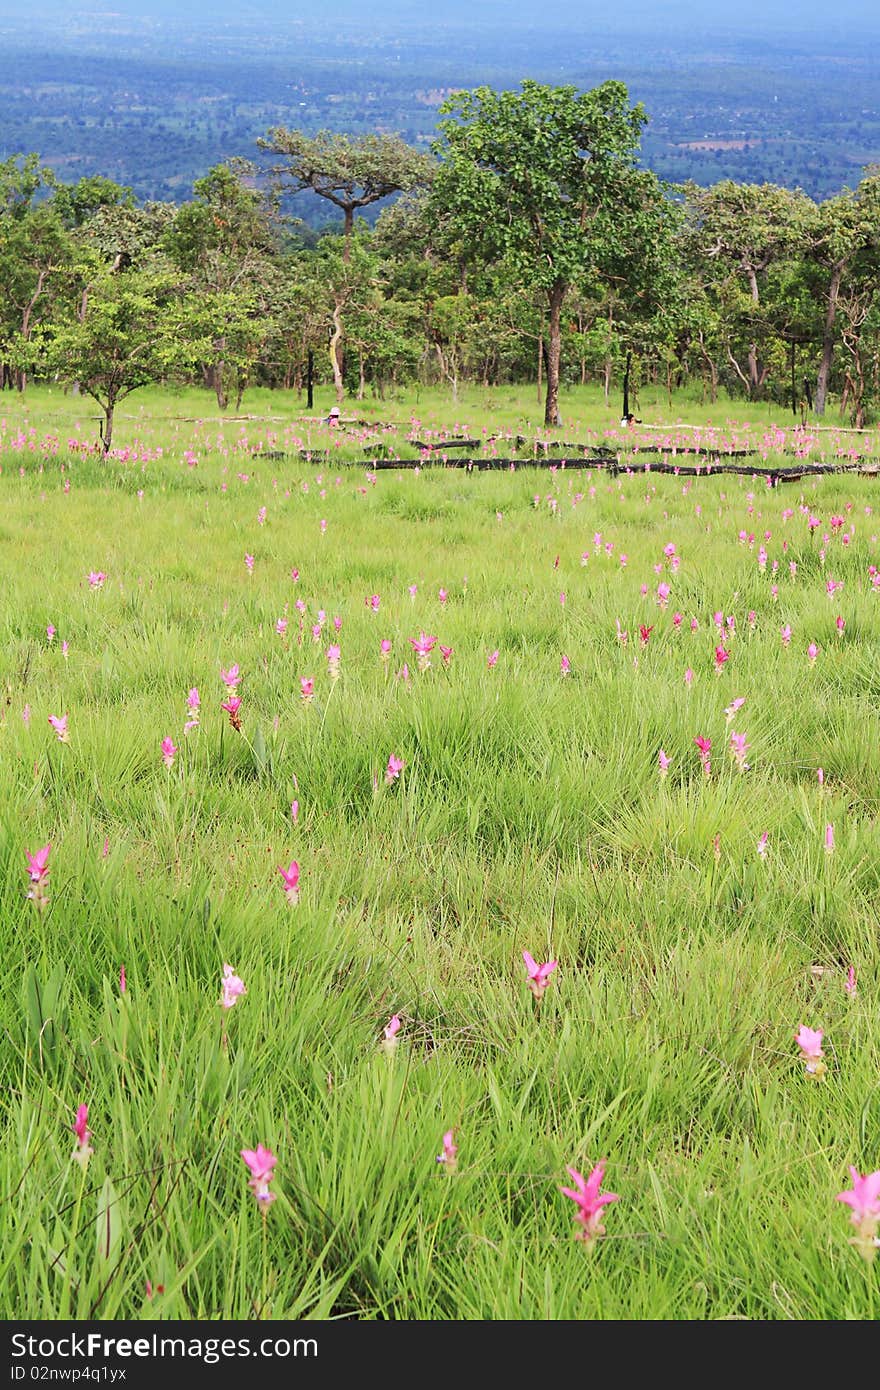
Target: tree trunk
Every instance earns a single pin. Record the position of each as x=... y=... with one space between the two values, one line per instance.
x=347 y=231
x=554 y=352
x=335 y=340
x=362 y=380
x=107 y=428
x=540 y=368
x=753 y=347
x=828 y=339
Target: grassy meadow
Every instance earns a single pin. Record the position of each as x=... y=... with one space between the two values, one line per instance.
x=699 y=918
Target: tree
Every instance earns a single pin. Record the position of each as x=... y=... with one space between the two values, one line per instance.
x=544 y=181
x=847 y=229
x=351 y=172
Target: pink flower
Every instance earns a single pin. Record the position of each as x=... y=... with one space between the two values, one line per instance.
x=664 y=761
x=26 y=716
x=786 y=635
x=565 y=666
x=232 y=987
x=307 y=689
x=385 y=649
x=281 y=626
x=688 y=676
x=812 y=653
x=83 y=1150
x=249 y=563
x=538 y=975
x=589 y=1201
x=829 y=839
x=721 y=657
x=294 y=811
x=739 y=748
x=232 y=677
x=389 y=1035
x=734 y=705
x=394 y=769
x=50 y=632
x=645 y=633
x=232 y=706
x=446 y=654
x=122 y=983
x=261 y=1163
x=442 y=596
x=168 y=752
x=38 y=869
x=704 y=746
x=59 y=724
x=762 y=843
x=864 y=1199
x=820 y=776
x=492 y=659
x=423 y=645
x=290 y=876
x=850 y=985
x=334 y=660
x=372 y=602
x=96 y=579
x=449 y=1156
x=809 y=1040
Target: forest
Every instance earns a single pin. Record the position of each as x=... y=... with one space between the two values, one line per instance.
x=528 y=243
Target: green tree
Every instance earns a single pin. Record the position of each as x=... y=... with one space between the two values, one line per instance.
x=544 y=180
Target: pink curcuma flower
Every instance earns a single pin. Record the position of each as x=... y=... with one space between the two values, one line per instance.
x=688 y=677
x=721 y=658
x=83 y=1151
x=232 y=706
x=59 y=724
x=294 y=811
x=290 y=875
x=731 y=709
x=812 y=653
x=389 y=1035
x=829 y=839
x=38 y=870
x=738 y=748
x=249 y=563
x=864 y=1199
x=122 y=981
x=704 y=746
x=261 y=1164
x=423 y=645
x=762 y=843
x=564 y=666
x=449 y=1154
x=385 y=650
x=232 y=987
x=372 y=601
x=446 y=654
x=50 y=632
x=169 y=752
x=492 y=659
x=850 y=985
x=232 y=677
x=334 y=661
x=538 y=975
x=589 y=1201
x=664 y=760
x=394 y=769
x=786 y=635
x=307 y=689
x=809 y=1040
x=96 y=579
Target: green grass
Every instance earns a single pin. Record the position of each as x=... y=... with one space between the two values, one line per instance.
x=530 y=815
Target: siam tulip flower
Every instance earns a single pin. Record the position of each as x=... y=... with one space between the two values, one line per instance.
x=786 y=635
x=840 y=624
x=721 y=657
x=232 y=706
x=812 y=653
x=403 y=674
x=372 y=602
x=589 y=1201
x=290 y=875
x=449 y=1156
x=337 y=623
x=83 y=1151
x=762 y=844
x=734 y=705
x=677 y=620
x=294 y=574
x=232 y=988
x=168 y=752
x=752 y=619
x=688 y=676
x=50 y=632
x=261 y=1163
x=705 y=747
x=850 y=985
x=809 y=1040
x=294 y=811
x=64 y=649
x=538 y=975
x=829 y=839
x=38 y=871
x=663 y=592
x=385 y=650
x=446 y=654
x=565 y=665
x=96 y=579
x=423 y=645
x=281 y=626
x=122 y=981
x=307 y=689
x=413 y=590
x=492 y=659
x=193 y=704
x=394 y=769
x=664 y=760
x=26 y=716
x=231 y=678
x=443 y=596
x=59 y=724
x=249 y=563
x=645 y=634
x=323 y=525
x=695 y=626
x=316 y=632
x=561 y=596
x=820 y=776
x=389 y=1035
x=622 y=636
x=739 y=748
x=334 y=659
x=864 y=1199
